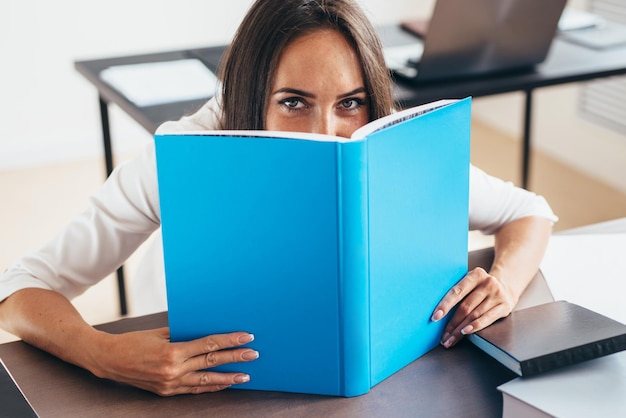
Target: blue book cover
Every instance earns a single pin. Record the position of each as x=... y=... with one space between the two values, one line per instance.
x=333 y=252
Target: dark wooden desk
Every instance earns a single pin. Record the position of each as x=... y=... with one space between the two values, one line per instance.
x=444 y=383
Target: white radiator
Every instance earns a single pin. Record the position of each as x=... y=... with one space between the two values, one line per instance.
x=604 y=101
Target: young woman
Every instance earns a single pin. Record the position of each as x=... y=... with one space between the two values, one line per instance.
x=298 y=65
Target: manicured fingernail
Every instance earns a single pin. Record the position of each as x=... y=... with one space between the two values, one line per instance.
x=448 y=342
x=467 y=330
x=246 y=338
x=437 y=315
x=250 y=355
x=242 y=378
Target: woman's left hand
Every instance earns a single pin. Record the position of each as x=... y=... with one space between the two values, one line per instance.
x=480 y=300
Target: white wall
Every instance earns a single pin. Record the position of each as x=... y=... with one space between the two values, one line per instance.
x=49 y=112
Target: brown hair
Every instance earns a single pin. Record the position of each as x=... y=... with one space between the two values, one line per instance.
x=250 y=62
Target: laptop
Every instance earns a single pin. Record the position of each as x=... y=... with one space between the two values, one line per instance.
x=468 y=38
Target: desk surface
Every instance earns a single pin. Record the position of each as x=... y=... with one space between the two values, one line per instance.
x=565 y=63
x=461 y=381
x=458 y=382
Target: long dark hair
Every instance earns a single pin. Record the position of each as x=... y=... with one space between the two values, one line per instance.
x=251 y=60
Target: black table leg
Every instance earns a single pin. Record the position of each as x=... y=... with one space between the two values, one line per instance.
x=526 y=138
x=108 y=160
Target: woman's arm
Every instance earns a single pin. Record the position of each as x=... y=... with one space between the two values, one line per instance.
x=483 y=297
x=122 y=215
x=145 y=359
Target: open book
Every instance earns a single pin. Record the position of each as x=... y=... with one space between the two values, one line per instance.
x=333 y=252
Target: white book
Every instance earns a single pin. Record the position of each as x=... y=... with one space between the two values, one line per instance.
x=594 y=388
x=588 y=269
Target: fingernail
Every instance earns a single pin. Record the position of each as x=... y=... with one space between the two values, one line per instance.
x=250 y=355
x=437 y=315
x=242 y=378
x=246 y=338
x=467 y=330
x=448 y=342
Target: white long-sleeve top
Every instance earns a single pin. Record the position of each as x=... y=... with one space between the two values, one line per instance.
x=125 y=212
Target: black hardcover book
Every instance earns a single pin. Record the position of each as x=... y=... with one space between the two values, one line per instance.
x=12 y=400
x=545 y=337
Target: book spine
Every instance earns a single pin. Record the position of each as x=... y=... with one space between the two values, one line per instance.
x=574 y=355
x=353 y=267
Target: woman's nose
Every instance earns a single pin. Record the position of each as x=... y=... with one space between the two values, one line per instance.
x=329 y=124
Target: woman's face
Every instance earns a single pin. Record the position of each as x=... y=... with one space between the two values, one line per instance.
x=318 y=87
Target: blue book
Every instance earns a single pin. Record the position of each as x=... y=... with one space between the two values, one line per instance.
x=333 y=252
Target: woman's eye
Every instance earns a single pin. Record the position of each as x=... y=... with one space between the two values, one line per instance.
x=292 y=103
x=353 y=103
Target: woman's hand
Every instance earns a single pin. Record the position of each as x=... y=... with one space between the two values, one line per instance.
x=145 y=359
x=148 y=360
x=480 y=299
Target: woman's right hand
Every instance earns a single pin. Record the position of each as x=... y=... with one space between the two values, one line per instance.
x=148 y=360
x=145 y=359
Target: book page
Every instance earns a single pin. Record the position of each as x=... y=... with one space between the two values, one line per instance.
x=397 y=117
x=298 y=136
x=589 y=270
x=358 y=135
x=154 y=83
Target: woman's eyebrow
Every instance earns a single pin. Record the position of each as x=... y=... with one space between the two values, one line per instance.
x=303 y=93
x=352 y=93
x=294 y=91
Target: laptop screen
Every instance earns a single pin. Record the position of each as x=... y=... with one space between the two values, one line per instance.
x=474 y=37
